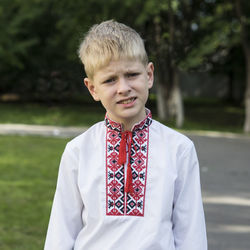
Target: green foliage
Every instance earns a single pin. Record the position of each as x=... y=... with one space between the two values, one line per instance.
x=14 y=39
x=208 y=46
x=39 y=38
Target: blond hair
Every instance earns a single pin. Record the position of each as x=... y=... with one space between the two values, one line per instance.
x=108 y=41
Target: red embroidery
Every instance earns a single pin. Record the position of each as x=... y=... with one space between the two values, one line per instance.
x=117 y=201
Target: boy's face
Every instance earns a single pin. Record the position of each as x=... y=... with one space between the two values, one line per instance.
x=122 y=87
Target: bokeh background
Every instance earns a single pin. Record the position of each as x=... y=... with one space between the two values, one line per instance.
x=201 y=53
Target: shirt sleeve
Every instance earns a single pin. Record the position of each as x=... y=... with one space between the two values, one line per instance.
x=188 y=215
x=65 y=219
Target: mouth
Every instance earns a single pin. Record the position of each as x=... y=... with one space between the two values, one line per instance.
x=127 y=101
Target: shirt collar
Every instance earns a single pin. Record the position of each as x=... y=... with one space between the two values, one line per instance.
x=138 y=126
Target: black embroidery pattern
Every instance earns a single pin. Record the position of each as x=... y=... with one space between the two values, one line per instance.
x=118 y=202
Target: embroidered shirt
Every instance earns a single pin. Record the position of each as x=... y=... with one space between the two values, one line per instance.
x=126 y=178
x=163 y=211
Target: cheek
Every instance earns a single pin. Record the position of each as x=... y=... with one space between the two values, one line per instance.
x=144 y=90
x=146 y=94
x=106 y=97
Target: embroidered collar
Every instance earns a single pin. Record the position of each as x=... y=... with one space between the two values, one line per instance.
x=126 y=167
x=138 y=126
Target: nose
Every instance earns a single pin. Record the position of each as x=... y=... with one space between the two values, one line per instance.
x=123 y=86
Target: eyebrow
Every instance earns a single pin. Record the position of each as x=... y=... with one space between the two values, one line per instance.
x=111 y=74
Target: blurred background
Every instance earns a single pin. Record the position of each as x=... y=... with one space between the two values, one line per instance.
x=201 y=53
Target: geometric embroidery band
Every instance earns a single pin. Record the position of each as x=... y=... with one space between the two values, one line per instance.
x=119 y=203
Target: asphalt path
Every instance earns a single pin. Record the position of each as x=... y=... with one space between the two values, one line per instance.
x=225 y=178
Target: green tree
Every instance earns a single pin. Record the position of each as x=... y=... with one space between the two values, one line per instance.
x=178 y=40
x=224 y=29
x=14 y=39
x=243 y=10
x=193 y=35
x=39 y=40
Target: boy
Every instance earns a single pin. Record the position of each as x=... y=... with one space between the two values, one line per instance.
x=128 y=182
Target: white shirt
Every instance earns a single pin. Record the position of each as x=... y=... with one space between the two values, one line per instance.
x=171 y=217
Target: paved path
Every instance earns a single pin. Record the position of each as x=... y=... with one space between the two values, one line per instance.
x=24 y=129
x=225 y=177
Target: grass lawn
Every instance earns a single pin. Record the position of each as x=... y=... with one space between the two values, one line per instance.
x=42 y=114
x=28 y=172
x=213 y=114
x=200 y=114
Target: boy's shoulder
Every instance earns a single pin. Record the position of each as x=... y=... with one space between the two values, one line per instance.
x=170 y=136
x=92 y=134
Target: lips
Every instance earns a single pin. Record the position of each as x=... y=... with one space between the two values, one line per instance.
x=127 y=101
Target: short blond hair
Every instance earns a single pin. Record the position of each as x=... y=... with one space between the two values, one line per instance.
x=108 y=41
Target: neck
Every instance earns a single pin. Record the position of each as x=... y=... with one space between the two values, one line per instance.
x=128 y=125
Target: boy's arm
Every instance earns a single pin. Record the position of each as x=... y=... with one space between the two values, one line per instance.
x=65 y=220
x=188 y=216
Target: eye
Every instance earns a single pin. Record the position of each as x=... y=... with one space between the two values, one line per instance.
x=110 y=80
x=133 y=74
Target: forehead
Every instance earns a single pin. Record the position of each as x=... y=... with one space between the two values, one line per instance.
x=119 y=66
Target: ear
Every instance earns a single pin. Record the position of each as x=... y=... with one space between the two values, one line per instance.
x=92 y=89
x=150 y=74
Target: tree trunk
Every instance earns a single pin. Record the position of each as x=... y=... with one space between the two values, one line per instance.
x=230 y=95
x=161 y=100
x=169 y=98
x=176 y=103
x=247 y=95
x=246 y=49
x=161 y=80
